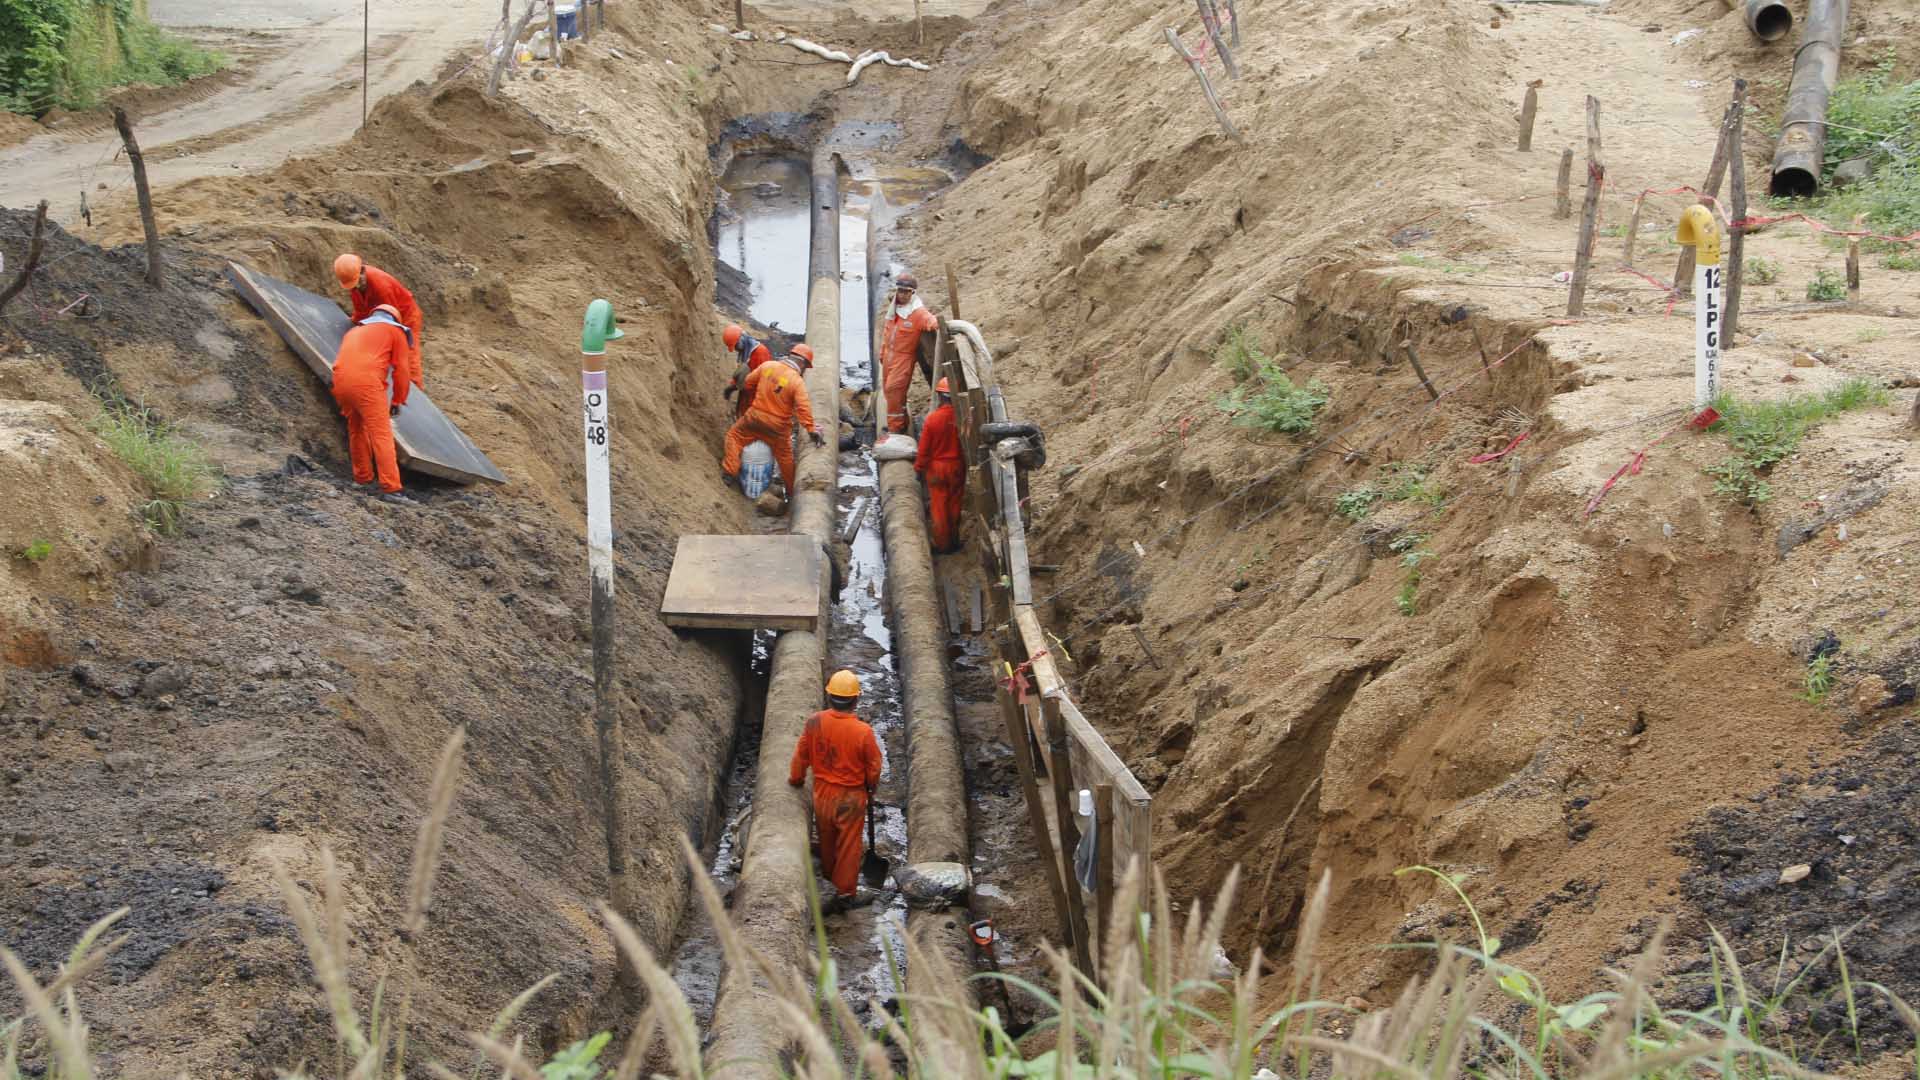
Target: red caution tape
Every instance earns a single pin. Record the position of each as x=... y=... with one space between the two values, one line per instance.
x=1632 y=468
x=1482 y=459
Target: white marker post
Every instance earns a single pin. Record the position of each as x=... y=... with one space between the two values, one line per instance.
x=1699 y=231
x=597 y=330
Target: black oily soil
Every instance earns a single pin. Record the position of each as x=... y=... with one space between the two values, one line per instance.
x=1854 y=822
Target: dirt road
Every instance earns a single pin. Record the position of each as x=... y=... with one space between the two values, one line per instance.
x=298 y=89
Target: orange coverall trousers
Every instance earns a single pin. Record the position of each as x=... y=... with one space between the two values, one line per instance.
x=753 y=427
x=371 y=355
x=840 y=815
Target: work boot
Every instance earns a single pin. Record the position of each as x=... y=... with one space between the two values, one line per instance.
x=727 y=479
x=836 y=904
x=395 y=498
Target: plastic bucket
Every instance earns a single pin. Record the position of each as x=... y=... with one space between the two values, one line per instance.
x=566 y=22
x=756 y=469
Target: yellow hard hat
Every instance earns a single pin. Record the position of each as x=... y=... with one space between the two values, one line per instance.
x=844 y=684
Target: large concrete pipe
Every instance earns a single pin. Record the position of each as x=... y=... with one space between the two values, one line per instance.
x=1803 y=124
x=1768 y=19
x=770 y=902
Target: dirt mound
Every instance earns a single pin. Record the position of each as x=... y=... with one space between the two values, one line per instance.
x=280 y=677
x=1451 y=665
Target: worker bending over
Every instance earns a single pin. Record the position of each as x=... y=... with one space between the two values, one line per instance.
x=369 y=287
x=372 y=354
x=749 y=353
x=845 y=758
x=941 y=466
x=907 y=319
x=777 y=396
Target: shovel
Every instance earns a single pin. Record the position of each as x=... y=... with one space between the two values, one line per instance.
x=873 y=868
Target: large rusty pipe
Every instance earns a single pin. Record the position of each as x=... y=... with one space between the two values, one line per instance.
x=1770 y=20
x=1803 y=124
x=770 y=903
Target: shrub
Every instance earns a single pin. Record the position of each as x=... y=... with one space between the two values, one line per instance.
x=69 y=52
x=1762 y=272
x=1875 y=117
x=1271 y=402
x=37 y=551
x=1826 y=286
x=1356 y=503
x=1903 y=260
x=175 y=470
x=1239 y=353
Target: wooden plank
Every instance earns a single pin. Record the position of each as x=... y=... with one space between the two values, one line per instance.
x=1016 y=530
x=312 y=325
x=1060 y=770
x=1007 y=651
x=745 y=582
x=978 y=605
x=1093 y=759
x=955 y=625
x=1103 y=862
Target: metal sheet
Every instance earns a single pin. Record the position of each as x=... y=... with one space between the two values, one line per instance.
x=312 y=326
x=744 y=583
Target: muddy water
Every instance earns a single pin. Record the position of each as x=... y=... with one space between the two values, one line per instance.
x=763 y=231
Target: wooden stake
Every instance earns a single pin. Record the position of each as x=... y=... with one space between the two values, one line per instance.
x=1206 y=86
x=953 y=292
x=1734 y=271
x=366 y=20
x=1528 y=108
x=739 y=14
x=1480 y=343
x=1710 y=191
x=1853 y=260
x=1414 y=359
x=1589 y=211
x=33 y=257
x=919 y=27
x=506 y=52
x=1210 y=21
x=1103 y=857
x=1633 y=226
x=1145 y=649
x=1563 y=201
x=1233 y=19
x=1060 y=767
x=145 y=196
x=1019 y=738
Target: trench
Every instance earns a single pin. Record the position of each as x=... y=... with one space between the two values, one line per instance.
x=762 y=230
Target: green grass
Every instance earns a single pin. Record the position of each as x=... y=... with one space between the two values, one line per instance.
x=1818 y=681
x=1873 y=115
x=1761 y=271
x=1271 y=402
x=1398 y=481
x=1357 y=503
x=69 y=53
x=36 y=551
x=1870 y=334
x=1239 y=353
x=1826 y=286
x=1412 y=551
x=175 y=470
x=1764 y=433
x=1908 y=260
x=1158 y=1011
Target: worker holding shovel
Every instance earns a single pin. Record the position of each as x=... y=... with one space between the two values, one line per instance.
x=844 y=755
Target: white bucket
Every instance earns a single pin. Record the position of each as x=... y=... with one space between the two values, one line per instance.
x=756 y=469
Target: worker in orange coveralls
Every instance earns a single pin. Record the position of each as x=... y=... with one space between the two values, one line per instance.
x=369 y=287
x=778 y=395
x=940 y=464
x=845 y=758
x=907 y=319
x=750 y=352
x=368 y=353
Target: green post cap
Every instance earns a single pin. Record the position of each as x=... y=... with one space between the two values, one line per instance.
x=598 y=329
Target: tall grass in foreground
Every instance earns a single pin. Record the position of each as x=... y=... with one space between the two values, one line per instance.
x=175 y=470
x=1157 y=1013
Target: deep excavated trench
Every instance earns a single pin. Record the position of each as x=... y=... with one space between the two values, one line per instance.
x=885 y=619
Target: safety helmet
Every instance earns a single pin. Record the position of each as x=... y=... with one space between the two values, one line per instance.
x=804 y=352
x=347 y=268
x=906 y=281
x=731 y=335
x=941 y=386
x=389 y=309
x=844 y=684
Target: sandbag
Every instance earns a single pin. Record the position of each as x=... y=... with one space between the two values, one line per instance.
x=934 y=886
x=895 y=447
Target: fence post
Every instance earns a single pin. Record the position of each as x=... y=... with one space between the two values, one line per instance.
x=1563 y=202
x=1528 y=108
x=1710 y=191
x=145 y=196
x=1589 y=211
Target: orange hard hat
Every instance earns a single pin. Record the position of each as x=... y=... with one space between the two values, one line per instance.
x=731 y=335
x=347 y=268
x=844 y=684
x=389 y=309
x=805 y=352
x=941 y=386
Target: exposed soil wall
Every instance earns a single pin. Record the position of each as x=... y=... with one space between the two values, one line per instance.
x=1562 y=696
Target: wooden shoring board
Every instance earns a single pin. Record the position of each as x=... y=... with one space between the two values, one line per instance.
x=424 y=439
x=744 y=583
x=1093 y=761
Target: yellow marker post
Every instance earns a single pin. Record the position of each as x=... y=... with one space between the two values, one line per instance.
x=1700 y=232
